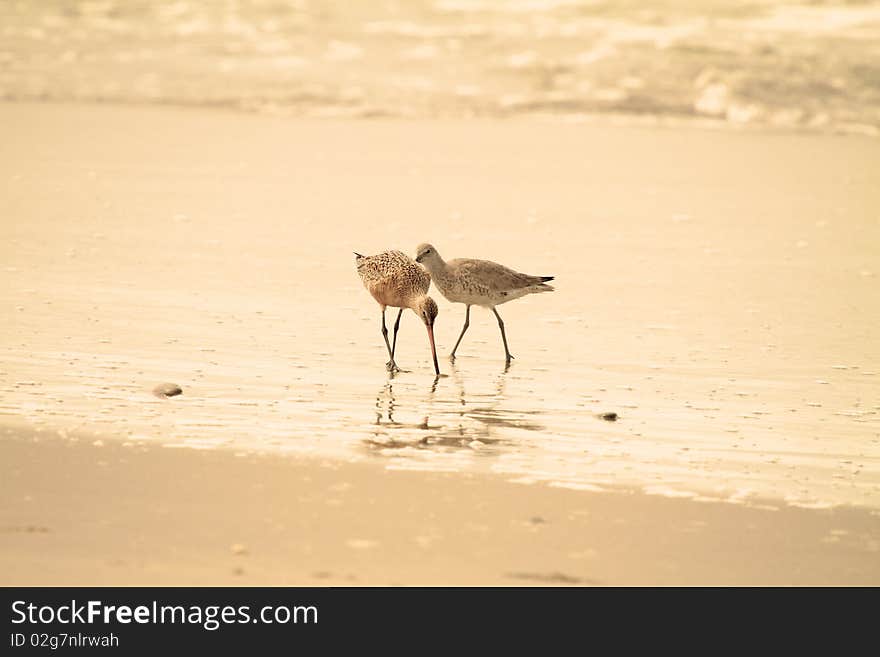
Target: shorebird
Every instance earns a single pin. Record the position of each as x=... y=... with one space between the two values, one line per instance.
x=479 y=283
x=395 y=280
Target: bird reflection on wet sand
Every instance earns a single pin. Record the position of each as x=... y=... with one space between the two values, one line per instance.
x=451 y=419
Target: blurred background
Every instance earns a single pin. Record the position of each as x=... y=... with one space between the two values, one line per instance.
x=805 y=65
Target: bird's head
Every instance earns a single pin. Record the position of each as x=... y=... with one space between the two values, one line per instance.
x=427 y=309
x=427 y=255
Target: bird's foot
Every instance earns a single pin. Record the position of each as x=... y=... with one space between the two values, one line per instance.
x=508 y=358
x=392 y=367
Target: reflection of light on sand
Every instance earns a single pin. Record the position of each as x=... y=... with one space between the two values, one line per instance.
x=815 y=19
x=574 y=485
x=667 y=491
x=341 y=51
x=445 y=463
x=515 y=6
x=423 y=51
x=408 y=29
x=807 y=503
x=194 y=443
x=659 y=36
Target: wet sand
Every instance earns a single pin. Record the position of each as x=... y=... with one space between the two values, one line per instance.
x=77 y=514
x=715 y=289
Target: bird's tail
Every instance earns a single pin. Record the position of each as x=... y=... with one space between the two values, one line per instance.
x=540 y=284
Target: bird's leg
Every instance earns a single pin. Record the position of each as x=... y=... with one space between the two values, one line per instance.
x=390 y=364
x=507 y=353
x=394 y=342
x=467 y=322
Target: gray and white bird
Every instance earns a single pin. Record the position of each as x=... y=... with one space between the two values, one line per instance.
x=479 y=283
x=395 y=280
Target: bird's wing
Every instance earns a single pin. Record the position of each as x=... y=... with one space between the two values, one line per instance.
x=496 y=277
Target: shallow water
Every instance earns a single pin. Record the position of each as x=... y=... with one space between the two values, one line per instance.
x=772 y=62
x=727 y=312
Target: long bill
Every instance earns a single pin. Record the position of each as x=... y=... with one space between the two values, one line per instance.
x=433 y=348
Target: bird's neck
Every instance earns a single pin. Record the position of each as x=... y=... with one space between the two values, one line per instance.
x=416 y=303
x=437 y=266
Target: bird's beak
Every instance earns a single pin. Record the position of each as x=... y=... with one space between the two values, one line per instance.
x=433 y=348
x=418 y=258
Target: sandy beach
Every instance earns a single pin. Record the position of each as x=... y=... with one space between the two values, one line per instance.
x=76 y=514
x=717 y=289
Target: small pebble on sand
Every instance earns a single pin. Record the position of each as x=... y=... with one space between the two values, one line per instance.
x=167 y=390
x=238 y=549
x=610 y=417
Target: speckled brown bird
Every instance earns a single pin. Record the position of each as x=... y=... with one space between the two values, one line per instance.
x=395 y=280
x=479 y=283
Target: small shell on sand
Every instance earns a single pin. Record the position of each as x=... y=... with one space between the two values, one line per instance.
x=167 y=390
x=610 y=417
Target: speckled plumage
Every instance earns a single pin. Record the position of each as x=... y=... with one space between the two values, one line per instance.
x=393 y=278
x=479 y=283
